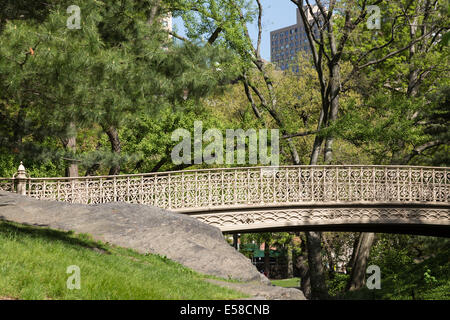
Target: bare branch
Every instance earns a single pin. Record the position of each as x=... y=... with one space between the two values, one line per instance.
x=215 y=35
x=250 y=98
x=258 y=46
x=420 y=149
x=300 y=134
x=175 y=35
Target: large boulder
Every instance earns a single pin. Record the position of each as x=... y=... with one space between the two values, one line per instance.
x=145 y=229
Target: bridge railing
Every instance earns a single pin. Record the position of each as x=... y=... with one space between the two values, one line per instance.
x=6 y=184
x=254 y=186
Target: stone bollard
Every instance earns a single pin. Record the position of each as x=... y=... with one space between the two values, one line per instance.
x=21 y=177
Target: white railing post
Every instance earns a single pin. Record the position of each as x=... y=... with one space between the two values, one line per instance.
x=21 y=177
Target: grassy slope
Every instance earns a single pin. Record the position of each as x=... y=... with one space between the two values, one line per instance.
x=287 y=283
x=33 y=264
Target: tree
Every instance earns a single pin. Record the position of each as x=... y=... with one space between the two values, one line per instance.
x=330 y=31
x=359 y=260
x=229 y=19
x=94 y=80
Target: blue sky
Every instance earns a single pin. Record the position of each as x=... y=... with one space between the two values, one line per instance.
x=276 y=14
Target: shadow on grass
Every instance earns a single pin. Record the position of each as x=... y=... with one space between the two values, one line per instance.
x=8 y=228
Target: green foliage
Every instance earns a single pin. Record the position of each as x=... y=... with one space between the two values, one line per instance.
x=58 y=83
x=400 y=106
x=336 y=284
x=412 y=267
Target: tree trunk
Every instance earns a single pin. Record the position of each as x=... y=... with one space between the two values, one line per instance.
x=316 y=272
x=70 y=144
x=290 y=263
x=113 y=136
x=316 y=150
x=235 y=241
x=266 y=259
x=334 y=108
x=19 y=128
x=351 y=262
x=302 y=266
x=329 y=253
x=305 y=283
x=314 y=248
x=361 y=256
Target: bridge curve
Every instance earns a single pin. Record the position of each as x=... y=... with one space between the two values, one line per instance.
x=349 y=197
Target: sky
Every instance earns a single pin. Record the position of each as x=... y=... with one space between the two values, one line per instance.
x=276 y=14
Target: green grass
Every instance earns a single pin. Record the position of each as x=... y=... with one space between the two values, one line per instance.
x=287 y=283
x=34 y=261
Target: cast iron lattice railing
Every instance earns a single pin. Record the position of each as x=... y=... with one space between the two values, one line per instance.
x=7 y=184
x=255 y=186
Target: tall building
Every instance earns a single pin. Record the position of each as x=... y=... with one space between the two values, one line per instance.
x=167 y=22
x=287 y=42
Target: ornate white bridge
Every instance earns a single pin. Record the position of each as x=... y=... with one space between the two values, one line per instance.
x=364 y=198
